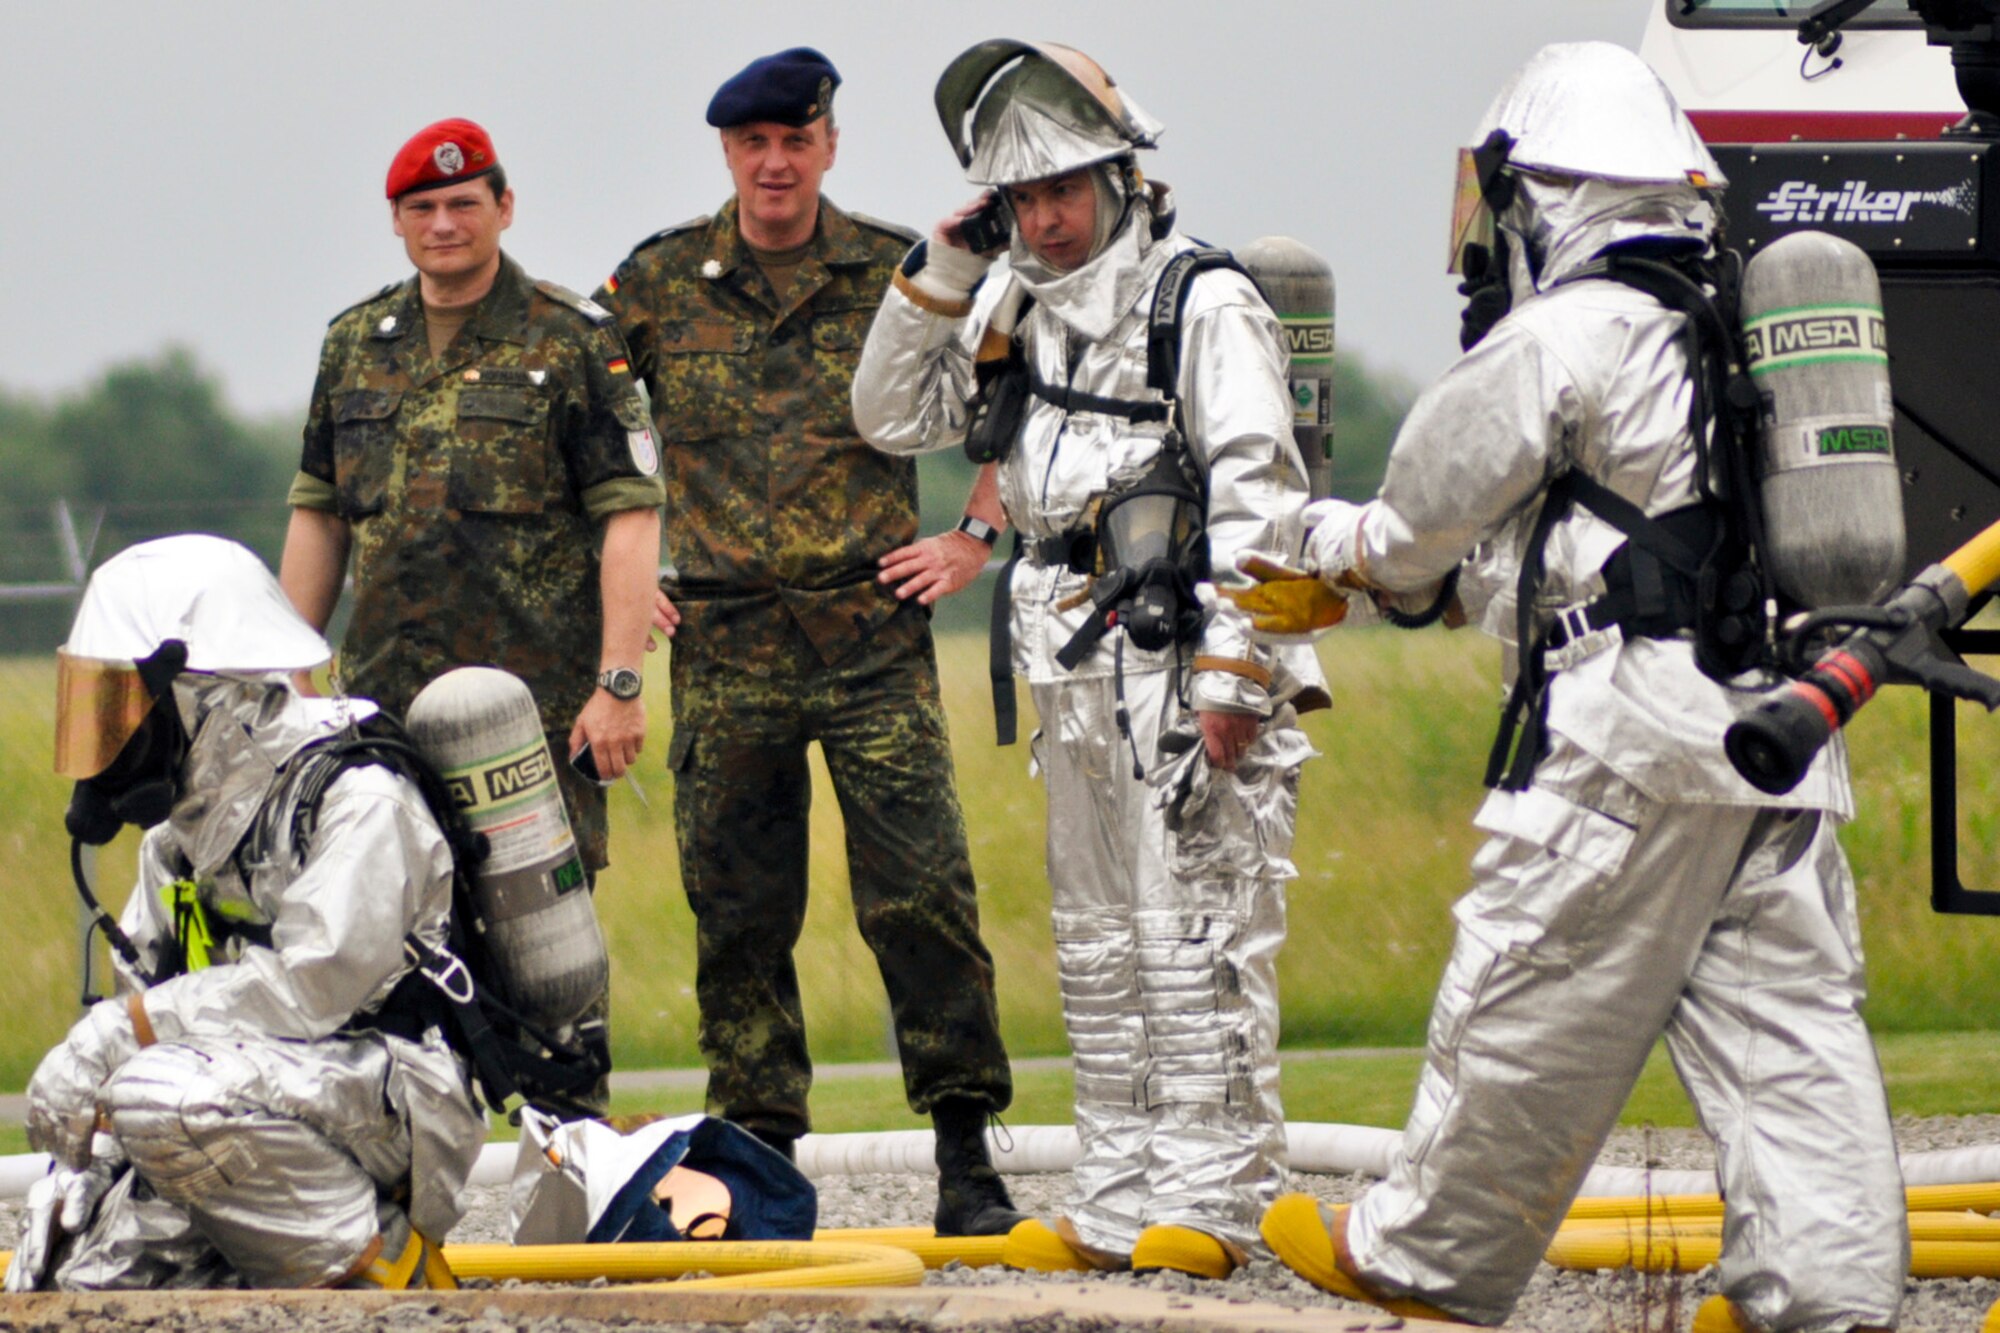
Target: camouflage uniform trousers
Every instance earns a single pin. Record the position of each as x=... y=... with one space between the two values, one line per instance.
x=742 y=790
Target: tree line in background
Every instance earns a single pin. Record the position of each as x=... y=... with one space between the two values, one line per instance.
x=152 y=446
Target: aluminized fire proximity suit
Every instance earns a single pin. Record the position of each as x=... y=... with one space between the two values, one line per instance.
x=1168 y=901
x=1637 y=885
x=273 y=1137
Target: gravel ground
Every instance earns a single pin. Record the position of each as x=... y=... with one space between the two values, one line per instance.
x=1555 y=1302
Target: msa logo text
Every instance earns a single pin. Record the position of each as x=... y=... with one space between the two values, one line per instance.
x=1309 y=339
x=1774 y=342
x=1802 y=201
x=531 y=770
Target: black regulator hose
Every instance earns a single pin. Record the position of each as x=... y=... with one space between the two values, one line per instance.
x=1429 y=615
x=100 y=920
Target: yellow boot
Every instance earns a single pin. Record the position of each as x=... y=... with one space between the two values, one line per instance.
x=1042 y=1247
x=1718 y=1314
x=1312 y=1242
x=421 y=1266
x=1187 y=1250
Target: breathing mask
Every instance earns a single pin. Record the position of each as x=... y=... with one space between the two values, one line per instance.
x=1149 y=546
x=119 y=734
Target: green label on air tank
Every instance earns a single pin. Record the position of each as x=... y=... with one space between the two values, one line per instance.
x=1835 y=440
x=1809 y=335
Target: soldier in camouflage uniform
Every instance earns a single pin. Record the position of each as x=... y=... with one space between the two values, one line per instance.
x=747 y=327
x=475 y=478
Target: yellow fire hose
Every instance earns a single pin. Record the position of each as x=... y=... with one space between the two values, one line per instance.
x=1682 y=1233
x=764 y=1264
x=1977 y=1198
x=1977 y=563
x=936 y=1251
x=1923 y=1226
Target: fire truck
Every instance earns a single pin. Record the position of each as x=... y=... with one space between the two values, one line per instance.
x=1879 y=121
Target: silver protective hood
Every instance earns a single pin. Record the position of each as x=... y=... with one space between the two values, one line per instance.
x=1020 y=111
x=208 y=592
x=1567 y=222
x=1595 y=109
x=243 y=733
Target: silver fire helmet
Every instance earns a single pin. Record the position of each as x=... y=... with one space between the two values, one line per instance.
x=1596 y=109
x=208 y=593
x=1582 y=109
x=1022 y=111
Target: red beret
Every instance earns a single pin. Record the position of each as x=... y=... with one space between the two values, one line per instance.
x=442 y=154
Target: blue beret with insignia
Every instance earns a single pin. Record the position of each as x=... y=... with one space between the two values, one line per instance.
x=793 y=88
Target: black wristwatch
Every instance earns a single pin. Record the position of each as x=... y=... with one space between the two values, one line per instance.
x=978 y=529
x=621 y=682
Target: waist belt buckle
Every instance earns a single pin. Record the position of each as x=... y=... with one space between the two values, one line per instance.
x=1581 y=641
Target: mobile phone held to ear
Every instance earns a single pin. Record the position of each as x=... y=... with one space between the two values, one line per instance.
x=987 y=229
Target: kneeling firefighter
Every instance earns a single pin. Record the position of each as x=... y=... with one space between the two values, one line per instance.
x=248 y=1109
x=1580 y=471
x=1130 y=387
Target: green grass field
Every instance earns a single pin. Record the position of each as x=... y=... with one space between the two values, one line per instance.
x=1383 y=844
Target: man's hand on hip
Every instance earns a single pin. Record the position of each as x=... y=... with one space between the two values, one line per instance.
x=615 y=730
x=934 y=567
x=666 y=619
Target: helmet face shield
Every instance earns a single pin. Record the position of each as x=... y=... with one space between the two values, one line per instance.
x=1019 y=111
x=99 y=707
x=1471 y=219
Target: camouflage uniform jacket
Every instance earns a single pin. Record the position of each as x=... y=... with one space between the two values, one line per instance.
x=472 y=483
x=776 y=508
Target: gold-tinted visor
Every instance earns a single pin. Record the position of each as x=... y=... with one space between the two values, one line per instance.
x=99 y=705
x=1471 y=219
x=696 y=1203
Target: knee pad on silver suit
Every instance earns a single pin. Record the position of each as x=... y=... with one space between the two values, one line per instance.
x=1197 y=1027
x=169 y=1109
x=1095 y=967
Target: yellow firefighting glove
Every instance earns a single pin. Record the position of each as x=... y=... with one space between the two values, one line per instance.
x=1288 y=601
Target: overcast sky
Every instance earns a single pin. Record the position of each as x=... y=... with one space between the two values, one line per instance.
x=210 y=172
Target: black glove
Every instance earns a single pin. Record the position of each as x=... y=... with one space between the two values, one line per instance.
x=1487 y=295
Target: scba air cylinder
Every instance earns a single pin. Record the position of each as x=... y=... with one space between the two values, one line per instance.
x=479 y=725
x=1818 y=354
x=1299 y=285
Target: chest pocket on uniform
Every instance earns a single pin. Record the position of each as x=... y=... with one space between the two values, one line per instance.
x=364 y=447
x=708 y=381
x=500 y=451
x=837 y=337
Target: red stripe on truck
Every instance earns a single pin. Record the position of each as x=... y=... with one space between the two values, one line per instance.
x=1820 y=126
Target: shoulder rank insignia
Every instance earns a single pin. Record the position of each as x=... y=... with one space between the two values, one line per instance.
x=370 y=299
x=895 y=229
x=583 y=305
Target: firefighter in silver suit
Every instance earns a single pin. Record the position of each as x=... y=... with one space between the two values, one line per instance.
x=241 y=1111
x=1631 y=883
x=1167 y=889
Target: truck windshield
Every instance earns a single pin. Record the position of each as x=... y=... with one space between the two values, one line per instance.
x=1780 y=14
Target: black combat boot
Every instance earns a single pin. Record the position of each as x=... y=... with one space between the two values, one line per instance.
x=972 y=1201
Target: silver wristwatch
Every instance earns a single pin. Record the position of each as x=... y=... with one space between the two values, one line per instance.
x=621 y=682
